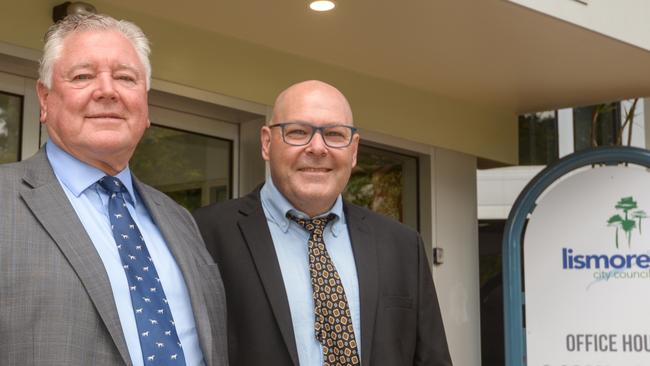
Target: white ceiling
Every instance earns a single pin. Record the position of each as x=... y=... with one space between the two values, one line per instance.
x=489 y=52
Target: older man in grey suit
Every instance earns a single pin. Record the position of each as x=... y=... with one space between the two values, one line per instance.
x=97 y=268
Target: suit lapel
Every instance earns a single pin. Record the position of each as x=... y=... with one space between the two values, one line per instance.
x=255 y=231
x=365 y=258
x=52 y=209
x=176 y=239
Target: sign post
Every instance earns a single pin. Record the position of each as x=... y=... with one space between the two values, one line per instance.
x=586 y=263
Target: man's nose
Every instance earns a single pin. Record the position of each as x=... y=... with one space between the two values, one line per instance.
x=105 y=87
x=317 y=144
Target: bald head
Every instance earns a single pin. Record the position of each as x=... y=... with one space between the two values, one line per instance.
x=312 y=175
x=311 y=96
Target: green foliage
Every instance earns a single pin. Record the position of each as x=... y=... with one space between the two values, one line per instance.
x=639 y=215
x=10 y=126
x=616 y=221
x=626 y=204
x=626 y=223
x=376 y=183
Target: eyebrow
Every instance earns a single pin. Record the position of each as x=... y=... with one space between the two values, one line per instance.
x=333 y=124
x=79 y=66
x=120 y=67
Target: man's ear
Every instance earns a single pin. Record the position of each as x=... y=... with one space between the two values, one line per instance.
x=43 y=92
x=355 y=148
x=265 y=140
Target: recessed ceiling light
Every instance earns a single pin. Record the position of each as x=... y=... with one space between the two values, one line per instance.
x=322 y=5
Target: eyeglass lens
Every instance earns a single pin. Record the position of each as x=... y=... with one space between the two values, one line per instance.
x=301 y=134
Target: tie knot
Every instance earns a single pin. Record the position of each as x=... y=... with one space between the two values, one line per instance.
x=111 y=184
x=312 y=224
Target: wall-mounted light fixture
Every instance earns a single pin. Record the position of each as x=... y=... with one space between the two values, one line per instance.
x=68 y=8
x=322 y=5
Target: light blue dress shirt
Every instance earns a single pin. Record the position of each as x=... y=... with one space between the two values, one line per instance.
x=90 y=202
x=290 y=241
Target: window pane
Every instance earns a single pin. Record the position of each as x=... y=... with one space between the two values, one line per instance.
x=385 y=182
x=538 y=140
x=11 y=110
x=193 y=169
x=607 y=126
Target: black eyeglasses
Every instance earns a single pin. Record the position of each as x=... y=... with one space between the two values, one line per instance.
x=301 y=133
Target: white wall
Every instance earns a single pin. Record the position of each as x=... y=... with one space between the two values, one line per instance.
x=625 y=20
x=452 y=203
x=565 y=131
x=455 y=230
x=497 y=189
x=646 y=116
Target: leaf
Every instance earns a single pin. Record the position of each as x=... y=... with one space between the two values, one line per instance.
x=616 y=219
x=628 y=225
x=626 y=204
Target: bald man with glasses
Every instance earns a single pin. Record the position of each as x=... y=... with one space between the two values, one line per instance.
x=310 y=279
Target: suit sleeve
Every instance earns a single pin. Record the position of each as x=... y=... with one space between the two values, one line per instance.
x=431 y=345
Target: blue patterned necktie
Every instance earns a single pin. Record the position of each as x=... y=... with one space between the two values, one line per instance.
x=158 y=338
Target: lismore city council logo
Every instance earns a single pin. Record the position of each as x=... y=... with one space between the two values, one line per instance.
x=622 y=260
x=630 y=220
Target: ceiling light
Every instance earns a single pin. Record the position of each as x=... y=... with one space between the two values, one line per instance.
x=322 y=5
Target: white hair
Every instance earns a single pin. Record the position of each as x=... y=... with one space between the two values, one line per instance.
x=77 y=23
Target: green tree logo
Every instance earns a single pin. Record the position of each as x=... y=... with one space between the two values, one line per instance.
x=630 y=219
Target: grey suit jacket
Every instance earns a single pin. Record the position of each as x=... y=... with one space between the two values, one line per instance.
x=56 y=302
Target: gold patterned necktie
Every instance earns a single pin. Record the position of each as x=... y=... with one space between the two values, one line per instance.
x=333 y=321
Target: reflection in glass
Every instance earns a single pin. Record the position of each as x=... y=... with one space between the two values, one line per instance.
x=606 y=128
x=11 y=110
x=538 y=138
x=385 y=182
x=193 y=169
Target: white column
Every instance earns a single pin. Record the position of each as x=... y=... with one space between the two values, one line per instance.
x=455 y=229
x=565 y=131
x=646 y=115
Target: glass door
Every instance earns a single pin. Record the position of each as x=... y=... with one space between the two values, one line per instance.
x=11 y=111
x=18 y=118
x=386 y=181
x=190 y=158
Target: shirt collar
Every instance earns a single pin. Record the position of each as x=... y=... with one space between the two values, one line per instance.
x=78 y=176
x=277 y=206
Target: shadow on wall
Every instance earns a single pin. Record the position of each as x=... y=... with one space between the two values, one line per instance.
x=491 y=281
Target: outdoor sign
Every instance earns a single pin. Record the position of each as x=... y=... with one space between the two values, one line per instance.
x=586 y=252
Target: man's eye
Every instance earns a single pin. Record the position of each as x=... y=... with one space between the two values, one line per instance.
x=126 y=78
x=82 y=77
x=296 y=132
x=335 y=134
